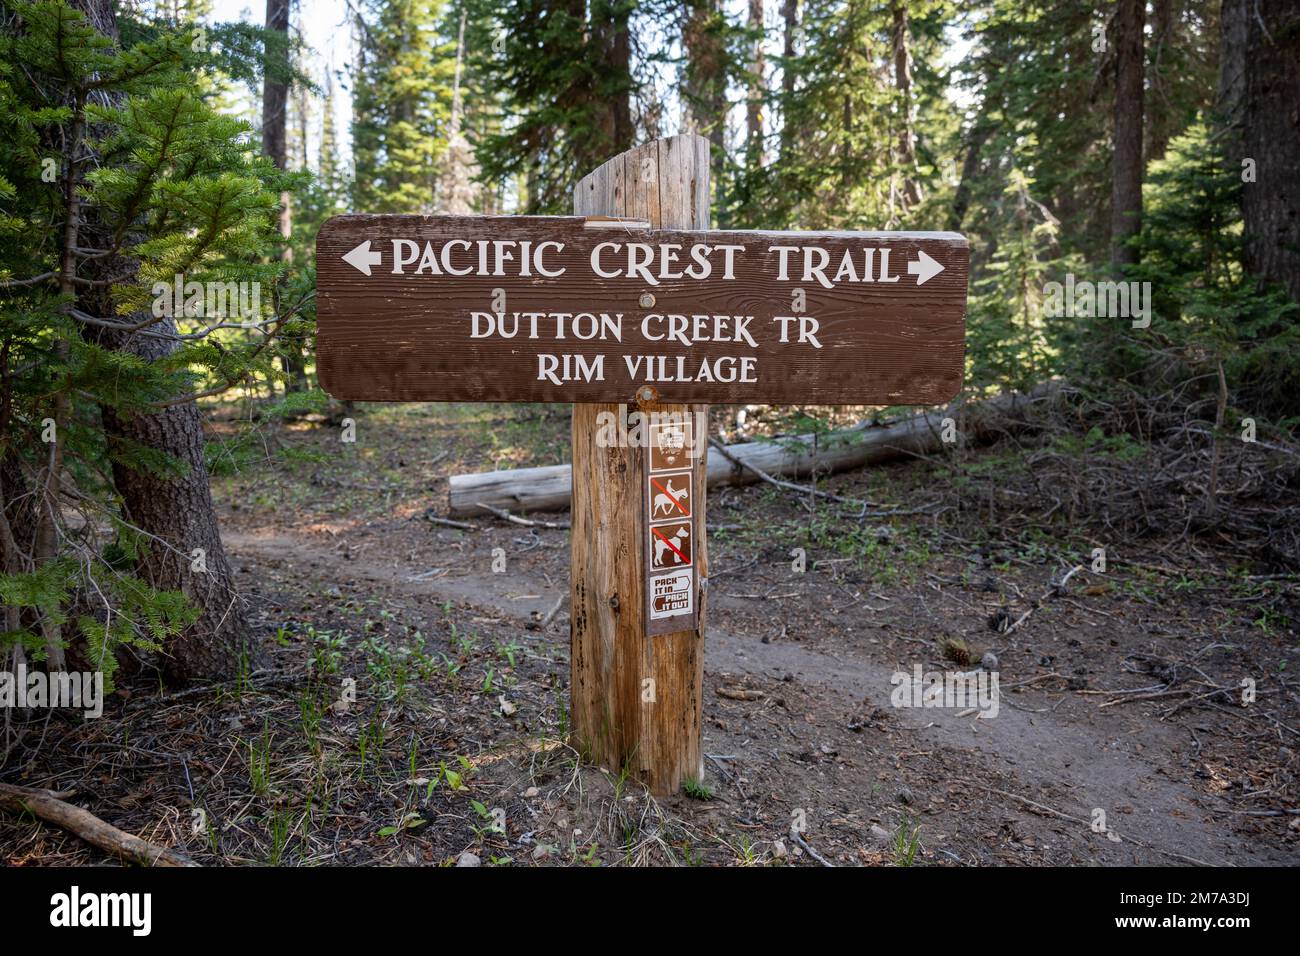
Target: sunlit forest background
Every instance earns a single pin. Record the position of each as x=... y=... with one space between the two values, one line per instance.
x=149 y=145
x=310 y=657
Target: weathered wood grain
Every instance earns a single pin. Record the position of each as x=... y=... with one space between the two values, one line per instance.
x=620 y=721
x=407 y=337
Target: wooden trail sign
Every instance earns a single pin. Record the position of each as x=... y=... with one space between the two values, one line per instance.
x=576 y=309
x=632 y=302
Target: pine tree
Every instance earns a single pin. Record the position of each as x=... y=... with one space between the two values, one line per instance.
x=561 y=71
x=1009 y=341
x=1209 y=311
x=118 y=176
x=846 y=111
x=402 y=99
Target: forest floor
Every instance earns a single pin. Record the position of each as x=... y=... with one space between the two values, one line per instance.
x=1121 y=694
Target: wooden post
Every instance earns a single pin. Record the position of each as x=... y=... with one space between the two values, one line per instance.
x=414 y=308
x=636 y=699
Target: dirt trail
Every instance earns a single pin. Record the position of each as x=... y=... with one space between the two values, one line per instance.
x=1086 y=762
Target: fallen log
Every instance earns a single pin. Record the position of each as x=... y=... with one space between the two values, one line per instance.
x=48 y=806
x=548 y=488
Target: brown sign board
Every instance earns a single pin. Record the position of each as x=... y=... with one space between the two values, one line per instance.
x=585 y=309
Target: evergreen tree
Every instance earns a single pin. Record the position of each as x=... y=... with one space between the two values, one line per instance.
x=856 y=105
x=562 y=72
x=1209 y=311
x=402 y=99
x=118 y=177
x=1009 y=341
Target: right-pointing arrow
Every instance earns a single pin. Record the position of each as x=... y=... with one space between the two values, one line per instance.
x=361 y=258
x=924 y=268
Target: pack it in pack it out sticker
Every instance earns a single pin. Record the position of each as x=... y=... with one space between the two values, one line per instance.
x=670 y=445
x=672 y=594
x=671 y=545
x=669 y=496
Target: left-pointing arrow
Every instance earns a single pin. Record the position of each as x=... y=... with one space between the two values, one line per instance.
x=361 y=258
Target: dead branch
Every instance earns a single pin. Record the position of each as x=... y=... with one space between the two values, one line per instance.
x=798 y=838
x=450 y=523
x=50 y=807
x=1048 y=811
x=807 y=489
x=526 y=522
x=1055 y=589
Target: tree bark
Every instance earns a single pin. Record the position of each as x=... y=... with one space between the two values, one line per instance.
x=1233 y=39
x=1271 y=137
x=176 y=513
x=275 y=102
x=1161 y=123
x=621 y=66
x=907 y=120
x=1126 y=191
x=275 y=92
x=275 y=145
x=612 y=101
x=790 y=14
x=757 y=90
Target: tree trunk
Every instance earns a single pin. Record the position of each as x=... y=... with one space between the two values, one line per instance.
x=1161 y=121
x=1126 y=191
x=275 y=145
x=275 y=93
x=609 y=97
x=705 y=79
x=1271 y=137
x=757 y=90
x=1233 y=38
x=790 y=14
x=907 y=121
x=979 y=135
x=621 y=67
x=457 y=189
x=176 y=513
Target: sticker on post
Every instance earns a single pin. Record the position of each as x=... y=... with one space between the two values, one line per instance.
x=670 y=496
x=670 y=445
x=672 y=594
x=671 y=544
